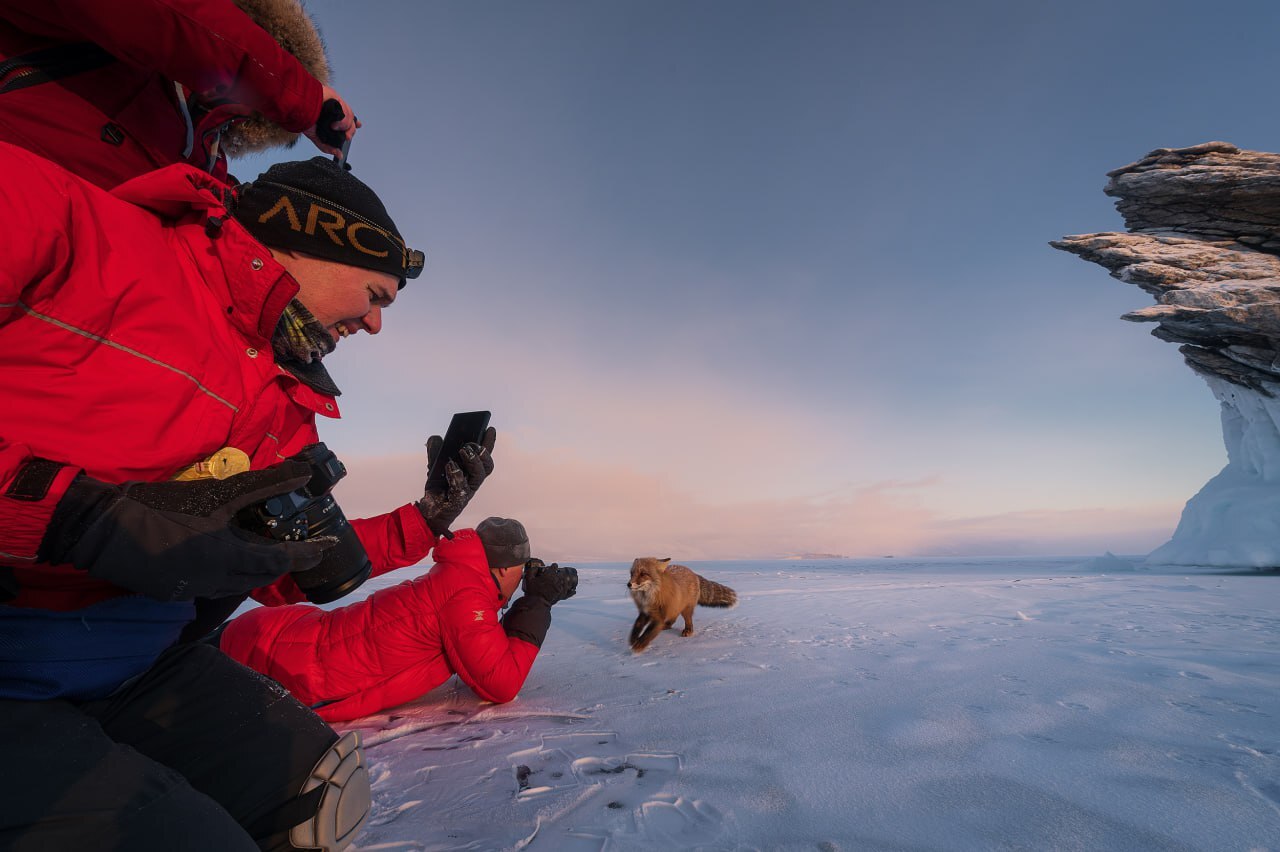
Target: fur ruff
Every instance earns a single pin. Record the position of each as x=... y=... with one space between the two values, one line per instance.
x=289 y=23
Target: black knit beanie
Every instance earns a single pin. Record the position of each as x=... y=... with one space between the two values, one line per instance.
x=505 y=542
x=317 y=207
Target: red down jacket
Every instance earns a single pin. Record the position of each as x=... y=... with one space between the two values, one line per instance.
x=114 y=121
x=393 y=646
x=133 y=344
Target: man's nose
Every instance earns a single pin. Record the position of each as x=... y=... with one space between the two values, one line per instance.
x=372 y=321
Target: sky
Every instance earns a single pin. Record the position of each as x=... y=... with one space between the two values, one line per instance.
x=757 y=279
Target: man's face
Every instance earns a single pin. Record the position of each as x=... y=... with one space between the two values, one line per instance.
x=509 y=580
x=344 y=299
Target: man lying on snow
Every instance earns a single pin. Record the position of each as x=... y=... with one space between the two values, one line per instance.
x=402 y=642
x=145 y=333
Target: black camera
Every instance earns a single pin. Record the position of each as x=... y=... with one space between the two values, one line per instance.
x=309 y=512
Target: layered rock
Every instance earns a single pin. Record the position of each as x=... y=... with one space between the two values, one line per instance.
x=1203 y=239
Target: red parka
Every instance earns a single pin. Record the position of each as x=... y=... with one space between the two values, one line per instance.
x=395 y=645
x=119 y=118
x=135 y=341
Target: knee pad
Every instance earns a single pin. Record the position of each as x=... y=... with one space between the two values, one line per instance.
x=344 y=802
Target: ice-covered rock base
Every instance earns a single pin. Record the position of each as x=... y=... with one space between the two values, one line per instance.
x=1234 y=520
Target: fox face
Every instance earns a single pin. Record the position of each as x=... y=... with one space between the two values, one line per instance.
x=646 y=579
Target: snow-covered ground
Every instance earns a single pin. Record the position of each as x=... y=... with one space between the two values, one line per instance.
x=866 y=705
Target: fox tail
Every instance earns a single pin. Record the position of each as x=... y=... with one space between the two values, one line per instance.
x=714 y=594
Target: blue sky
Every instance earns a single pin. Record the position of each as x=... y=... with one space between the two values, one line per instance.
x=759 y=278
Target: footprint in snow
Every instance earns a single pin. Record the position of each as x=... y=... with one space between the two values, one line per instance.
x=590 y=791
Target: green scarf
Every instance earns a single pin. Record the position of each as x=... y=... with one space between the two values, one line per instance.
x=300 y=342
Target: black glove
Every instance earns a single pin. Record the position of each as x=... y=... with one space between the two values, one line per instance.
x=330 y=111
x=544 y=585
x=463 y=476
x=177 y=540
x=549 y=582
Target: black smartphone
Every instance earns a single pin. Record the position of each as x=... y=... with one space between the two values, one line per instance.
x=466 y=427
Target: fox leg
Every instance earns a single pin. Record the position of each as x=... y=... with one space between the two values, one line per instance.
x=688 y=622
x=647 y=637
x=638 y=627
x=642 y=632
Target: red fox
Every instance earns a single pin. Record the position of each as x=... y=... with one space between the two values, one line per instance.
x=663 y=591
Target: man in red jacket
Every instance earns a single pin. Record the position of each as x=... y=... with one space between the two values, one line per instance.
x=111 y=90
x=406 y=640
x=148 y=336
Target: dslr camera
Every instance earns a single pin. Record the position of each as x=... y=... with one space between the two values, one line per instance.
x=307 y=513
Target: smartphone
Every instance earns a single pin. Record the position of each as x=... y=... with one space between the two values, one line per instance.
x=466 y=427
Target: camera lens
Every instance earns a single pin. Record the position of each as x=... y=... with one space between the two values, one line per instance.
x=345 y=565
x=311 y=512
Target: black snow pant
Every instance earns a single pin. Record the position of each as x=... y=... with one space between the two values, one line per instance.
x=199 y=753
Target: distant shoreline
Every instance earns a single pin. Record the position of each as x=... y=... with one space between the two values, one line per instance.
x=815 y=556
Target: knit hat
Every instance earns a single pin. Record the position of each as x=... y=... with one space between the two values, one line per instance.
x=505 y=542
x=318 y=207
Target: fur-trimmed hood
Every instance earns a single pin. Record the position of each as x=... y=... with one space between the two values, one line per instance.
x=289 y=23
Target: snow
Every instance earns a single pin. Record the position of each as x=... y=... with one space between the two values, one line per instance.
x=1234 y=520
x=865 y=704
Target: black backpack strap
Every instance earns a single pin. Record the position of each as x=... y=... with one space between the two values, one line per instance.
x=51 y=63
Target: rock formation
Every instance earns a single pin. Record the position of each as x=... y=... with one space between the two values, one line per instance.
x=1204 y=240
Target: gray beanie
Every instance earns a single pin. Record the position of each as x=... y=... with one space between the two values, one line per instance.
x=505 y=542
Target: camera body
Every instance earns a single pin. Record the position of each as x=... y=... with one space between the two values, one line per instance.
x=310 y=512
x=553 y=582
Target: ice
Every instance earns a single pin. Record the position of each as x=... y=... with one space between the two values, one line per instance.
x=1234 y=520
x=1076 y=703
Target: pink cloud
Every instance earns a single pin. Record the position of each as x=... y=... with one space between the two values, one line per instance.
x=588 y=511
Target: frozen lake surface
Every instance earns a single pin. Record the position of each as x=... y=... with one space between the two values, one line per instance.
x=863 y=705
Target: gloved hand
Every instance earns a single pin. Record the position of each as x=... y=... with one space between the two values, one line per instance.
x=177 y=540
x=549 y=582
x=544 y=585
x=463 y=477
x=335 y=125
